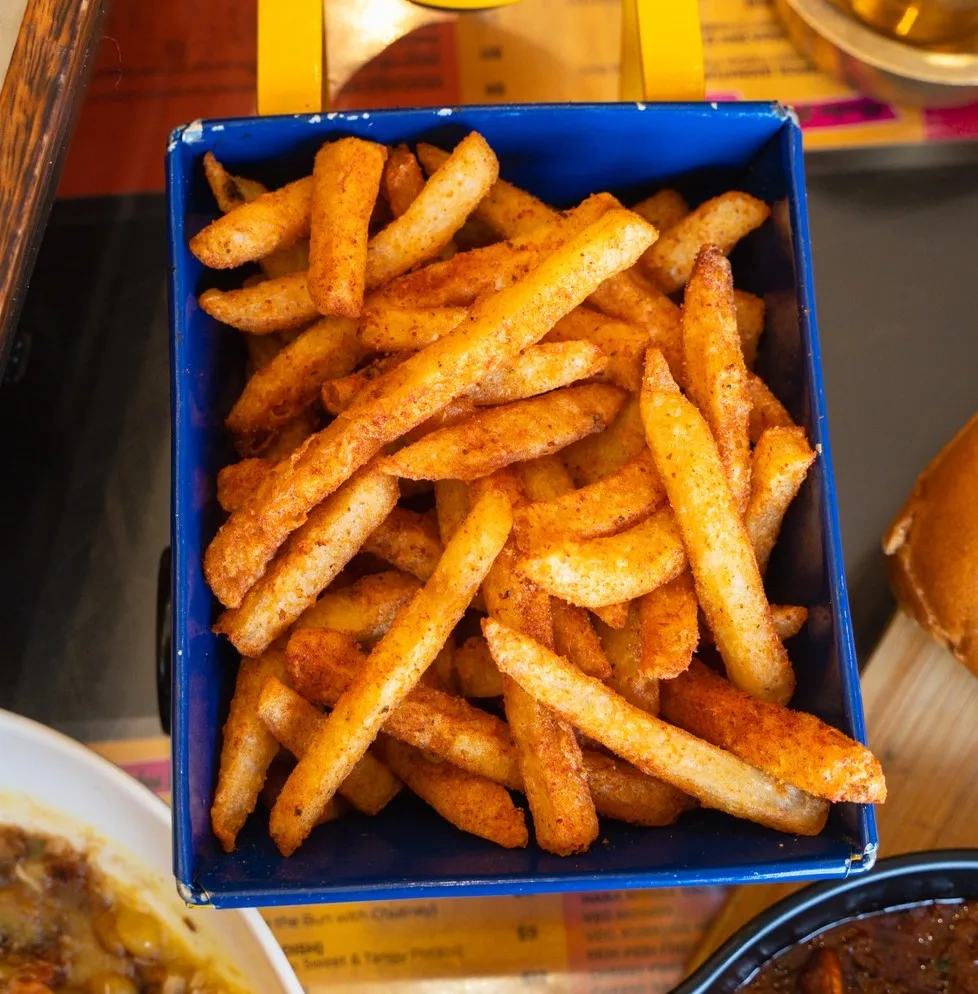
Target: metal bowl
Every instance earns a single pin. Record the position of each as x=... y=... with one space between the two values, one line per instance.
x=887 y=70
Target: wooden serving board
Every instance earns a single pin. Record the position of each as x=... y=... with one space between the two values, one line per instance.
x=922 y=715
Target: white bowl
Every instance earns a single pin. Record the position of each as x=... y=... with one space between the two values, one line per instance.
x=50 y=783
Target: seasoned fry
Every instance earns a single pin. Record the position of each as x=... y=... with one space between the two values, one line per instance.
x=602 y=571
x=544 y=478
x=781 y=463
x=728 y=583
x=291 y=381
x=278 y=773
x=451 y=506
x=663 y=209
x=365 y=609
x=750 y=323
x=246 y=751
x=766 y=410
x=622 y=343
x=623 y=793
x=788 y=619
x=438 y=211
x=238 y=481
x=477 y=673
x=294 y=722
x=315 y=554
x=384 y=328
x=262 y=349
x=256 y=229
x=229 y=191
x=716 y=377
x=623 y=647
x=722 y=221
x=605 y=507
x=575 y=638
x=613 y=615
x=795 y=747
x=339 y=394
x=345 y=183
x=409 y=541
x=600 y=455
x=471 y=803
x=391 y=671
x=272 y=305
x=322 y=664
x=441 y=673
x=502 y=435
x=403 y=180
x=714 y=777
x=669 y=626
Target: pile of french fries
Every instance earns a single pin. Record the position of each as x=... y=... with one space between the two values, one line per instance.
x=486 y=454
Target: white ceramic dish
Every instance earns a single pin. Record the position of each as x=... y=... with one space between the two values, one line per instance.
x=50 y=783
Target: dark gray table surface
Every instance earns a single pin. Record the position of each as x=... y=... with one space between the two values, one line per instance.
x=85 y=501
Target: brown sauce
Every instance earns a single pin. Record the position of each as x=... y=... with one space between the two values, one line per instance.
x=925 y=949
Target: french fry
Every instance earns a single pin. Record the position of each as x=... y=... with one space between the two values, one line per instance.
x=451 y=506
x=317 y=552
x=294 y=722
x=247 y=749
x=714 y=777
x=728 y=583
x=766 y=410
x=256 y=229
x=795 y=747
x=503 y=435
x=407 y=540
x=289 y=437
x=544 y=478
x=477 y=673
x=398 y=329
x=600 y=571
x=322 y=665
x=285 y=387
x=239 y=480
x=230 y=191
x=340 y=394
x=455 y=411
x=345 y=184
x=365 y=609
x=605 y=507
x=403 y=180
x=669 y=625
x=716 y=377
x=600 y=455
x=441 y=673
x=613 y=615
x=471 y=803
x=622 y=343
x=781 y=462
x=278 y=773
x=623 y=649
x=391 y=671
x=623 y=793
x=722 y=221
x=438 y=211
x=272 y=305
x=575 y=638
x=750 y=323
x=262 y=349
x=788 y=619
x=663 y=209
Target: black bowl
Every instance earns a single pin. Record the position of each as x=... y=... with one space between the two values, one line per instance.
x=940 y=875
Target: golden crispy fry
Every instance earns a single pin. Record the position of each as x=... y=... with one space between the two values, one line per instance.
x=391 y=671
x=623 y=648
x=601 y=571
x=477 y=673
x=781 y=463
x=256 y=229
x=722 y=221
x=409 y=541
x=229 y=191
x=294 y=722
x=788 y=619
x=540 y=369
x=613 y=615
x=289 y=437
x=575 y=638
x=292 y=380
x=403 y=180
x=544 y=478
x=455 y=411
x=272 y=305
x=716 y=377
x=622 y=343
x=623 y=793
x=345 y=183
x=278 y=773
x=503 y=435
x=262 y=349
x=339 y=394
x=441 y=673
x=766 y=410
x=238 y=481
x=247 y=749
x=663 y=209
x=669 y=625
x=728 y=583
x=322 y=664
x=795 y=747
x=397 y=329
x=507 y=209
x=714 y=777
x=290 y=259
x=610 y=505
x=365 y=609
x=499 y=328
x=451 y=506
x=600 y=455
x=750 y=323
x=317 y=552
x=439 y=210
x=471 y=803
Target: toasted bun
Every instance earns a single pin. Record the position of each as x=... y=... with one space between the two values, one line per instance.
x=932 y=547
